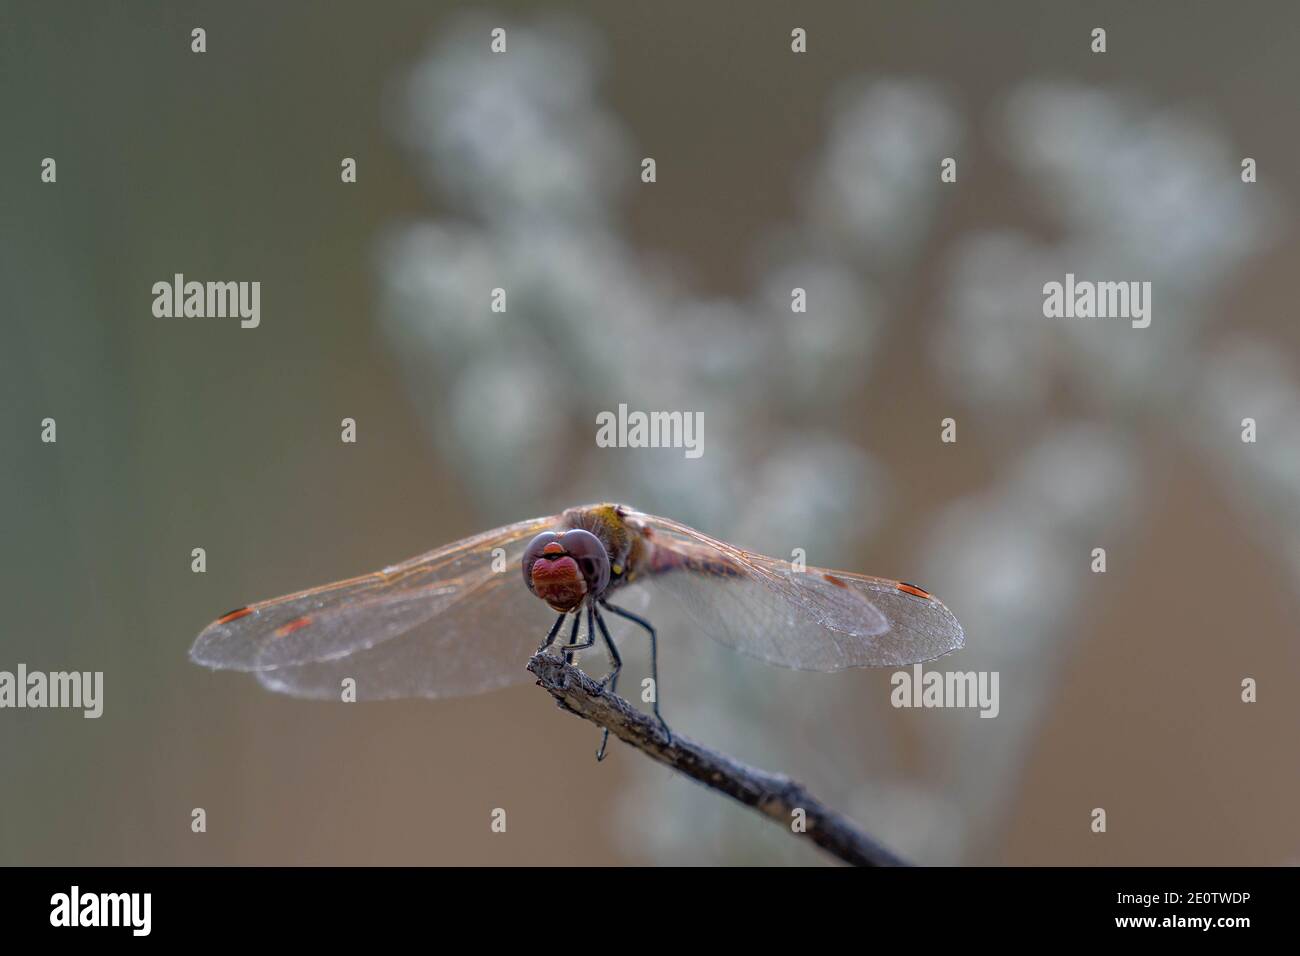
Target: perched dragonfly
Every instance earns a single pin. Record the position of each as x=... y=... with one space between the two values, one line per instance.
x=456 y=621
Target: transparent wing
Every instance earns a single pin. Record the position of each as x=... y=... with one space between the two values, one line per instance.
x=458 y=620
x=813 y=619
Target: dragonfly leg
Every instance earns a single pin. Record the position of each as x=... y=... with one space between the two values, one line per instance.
x=573 y=644
x=615 y=661
x=611 y=679
x=550 y=638
x=654 y=657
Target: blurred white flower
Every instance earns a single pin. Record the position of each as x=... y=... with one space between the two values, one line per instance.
x=874 y=188
x=1158 y=187
x=1014 y=562
x=1251 y=379
x=514 y=136
x=819 y=356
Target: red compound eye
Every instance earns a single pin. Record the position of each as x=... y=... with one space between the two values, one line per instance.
x=593 y=560
x=534 y=551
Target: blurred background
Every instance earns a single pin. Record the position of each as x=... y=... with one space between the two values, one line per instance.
x=1118 y=690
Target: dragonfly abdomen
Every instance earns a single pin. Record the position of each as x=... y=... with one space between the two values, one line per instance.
x=666 y=560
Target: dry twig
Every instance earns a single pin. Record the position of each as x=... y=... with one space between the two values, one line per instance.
x=772 y=794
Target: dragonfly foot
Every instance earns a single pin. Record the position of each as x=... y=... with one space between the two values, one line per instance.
x=604 y=740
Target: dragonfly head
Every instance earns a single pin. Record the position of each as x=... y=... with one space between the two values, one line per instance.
x=563 y=569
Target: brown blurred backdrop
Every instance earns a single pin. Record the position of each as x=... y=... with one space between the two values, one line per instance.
x=174 y=435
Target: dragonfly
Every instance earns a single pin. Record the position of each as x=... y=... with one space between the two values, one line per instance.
x=457 y=621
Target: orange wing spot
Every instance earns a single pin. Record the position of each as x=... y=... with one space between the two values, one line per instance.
x=913 y=590
x=234 y=615
x=838 y=582
x=297 y=624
